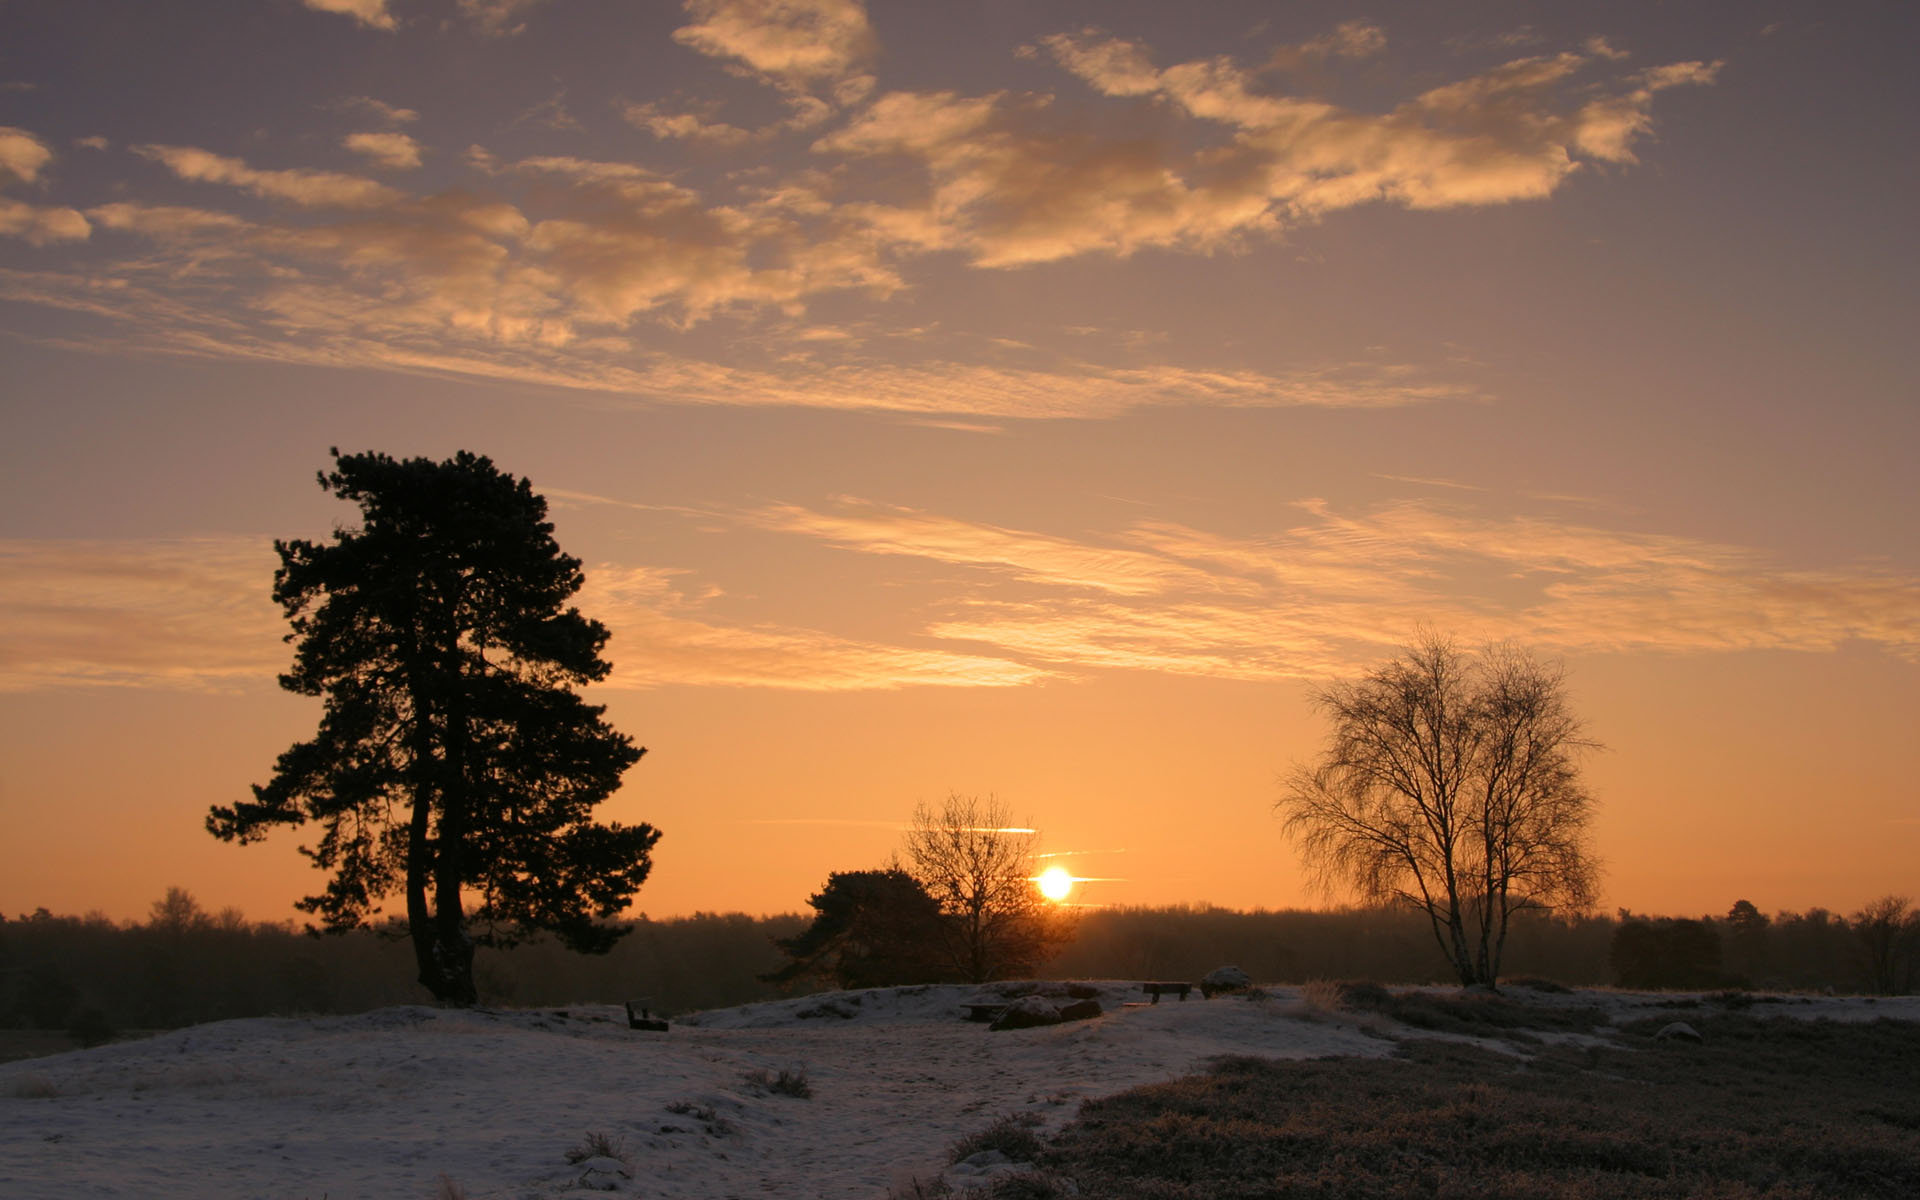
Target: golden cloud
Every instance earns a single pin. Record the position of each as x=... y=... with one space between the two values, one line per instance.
x=41 y=224
x=548 y=269
x=395 y=151
x=1015 y=182
x=371 y=13
x=793 y=42
x=22 y=155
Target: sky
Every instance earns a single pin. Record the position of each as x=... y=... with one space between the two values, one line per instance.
x=1031 y=399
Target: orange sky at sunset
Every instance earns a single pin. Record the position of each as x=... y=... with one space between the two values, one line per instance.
x=1034 y=399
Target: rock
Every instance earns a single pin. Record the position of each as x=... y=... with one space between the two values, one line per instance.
x=1225 y=979
x=1028 y=1012
x=977 y=1173
x=1080 y=1010
x=603 y=1174
x=974 y=1164
x=1678 y=1031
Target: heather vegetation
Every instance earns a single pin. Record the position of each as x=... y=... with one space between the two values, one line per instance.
x=1759 y=1108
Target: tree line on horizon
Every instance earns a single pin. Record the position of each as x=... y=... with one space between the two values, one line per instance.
x=92 y=976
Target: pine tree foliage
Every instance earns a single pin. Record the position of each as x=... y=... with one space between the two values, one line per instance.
x=454 y=762
x=870 y=929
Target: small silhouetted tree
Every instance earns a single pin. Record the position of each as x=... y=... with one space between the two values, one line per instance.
x=454 y=760
x=1888 y=933
x=978 y=865
x=1450 y=783
x=1665 y=953
x=870 y=929
x=1746 y=942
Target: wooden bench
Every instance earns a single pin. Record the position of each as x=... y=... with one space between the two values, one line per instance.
x=1156 y=990
x=642 y=1019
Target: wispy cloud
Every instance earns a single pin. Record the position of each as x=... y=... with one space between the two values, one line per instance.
x=1337 y=588
x=297 y=185
x=452 y=303
x=192 y=613
x=196 y=614
x=498 y=18
x=1332 y=591
x=379 y=110
x=1037 y=558
x=675 y=642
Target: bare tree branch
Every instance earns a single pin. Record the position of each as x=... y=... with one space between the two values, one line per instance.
x=1450 y=782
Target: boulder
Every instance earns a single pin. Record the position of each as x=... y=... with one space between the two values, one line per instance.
x=1224 y=979
x=1027 y=1012
x=1678 y=1031
x=1080 y=1010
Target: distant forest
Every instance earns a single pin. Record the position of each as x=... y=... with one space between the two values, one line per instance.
x=94 y=977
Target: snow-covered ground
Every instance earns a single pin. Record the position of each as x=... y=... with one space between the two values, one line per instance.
x=385 y=1104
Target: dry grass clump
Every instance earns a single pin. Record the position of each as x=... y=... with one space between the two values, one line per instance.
x=710 y=1120
x=1776 y=1109
x=597 y=1145
x=1322 y=997
x=1011 y=1136
x=790 y=1081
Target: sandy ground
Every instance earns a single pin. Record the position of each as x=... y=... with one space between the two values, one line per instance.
x=385 y=1104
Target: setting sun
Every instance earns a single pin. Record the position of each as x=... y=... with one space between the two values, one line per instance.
x=1055 y=883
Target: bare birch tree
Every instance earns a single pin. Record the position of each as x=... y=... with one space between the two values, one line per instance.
x=1888 y=932
x=978 y=864
x=1450 y=782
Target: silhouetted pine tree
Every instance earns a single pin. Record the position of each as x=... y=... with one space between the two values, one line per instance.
x=453 y=755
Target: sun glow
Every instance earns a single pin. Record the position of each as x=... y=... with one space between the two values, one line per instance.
x=1055 y=883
